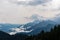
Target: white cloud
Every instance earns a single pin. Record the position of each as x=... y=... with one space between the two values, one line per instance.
x=18 y=30
x=10 y=12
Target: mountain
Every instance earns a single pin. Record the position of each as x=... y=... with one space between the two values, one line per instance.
x=7 y=27
x=35 y=27
x=4 y=35
x=44 y=25
x=52 y=35
x=31 y=28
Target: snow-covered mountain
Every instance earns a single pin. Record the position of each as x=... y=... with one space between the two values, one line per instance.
x=34 y=28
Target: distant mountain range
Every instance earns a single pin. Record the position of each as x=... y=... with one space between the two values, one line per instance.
x=7 y=27
x=34 y=27
x=31 y=28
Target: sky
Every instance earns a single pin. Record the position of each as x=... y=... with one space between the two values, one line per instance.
x=21 y=11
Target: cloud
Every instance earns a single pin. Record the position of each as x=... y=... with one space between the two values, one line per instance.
x=18 y=30
x=57 y=19
x=13 y=11
x=29 y=2
x=34 y=17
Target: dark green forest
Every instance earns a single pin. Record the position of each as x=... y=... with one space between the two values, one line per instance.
x=54 y=34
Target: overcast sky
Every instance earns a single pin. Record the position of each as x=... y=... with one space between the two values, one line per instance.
x=15 y=11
